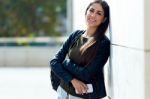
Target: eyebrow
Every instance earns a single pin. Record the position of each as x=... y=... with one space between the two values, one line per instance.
x=97 y=10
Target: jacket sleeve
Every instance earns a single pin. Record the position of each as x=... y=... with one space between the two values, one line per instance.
x=56 y=62
x=86 y=73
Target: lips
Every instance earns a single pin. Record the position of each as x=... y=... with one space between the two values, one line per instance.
x=91 y=20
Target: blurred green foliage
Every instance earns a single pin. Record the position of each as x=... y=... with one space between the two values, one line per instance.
x=19 y=18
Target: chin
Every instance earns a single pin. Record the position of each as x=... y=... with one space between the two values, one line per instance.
x=92 y=25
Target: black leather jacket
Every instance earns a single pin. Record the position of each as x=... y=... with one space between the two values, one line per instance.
x=66 y=69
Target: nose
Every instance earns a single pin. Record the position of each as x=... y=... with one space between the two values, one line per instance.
x=93 y=14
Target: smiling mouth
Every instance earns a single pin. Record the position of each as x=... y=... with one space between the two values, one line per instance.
x=91 y=20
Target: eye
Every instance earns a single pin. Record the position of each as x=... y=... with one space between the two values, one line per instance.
x=91 y=10
x=99 y=13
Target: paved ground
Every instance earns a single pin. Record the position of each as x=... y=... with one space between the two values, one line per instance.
x=25 y=83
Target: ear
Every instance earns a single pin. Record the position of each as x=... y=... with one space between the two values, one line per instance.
x=104 y=20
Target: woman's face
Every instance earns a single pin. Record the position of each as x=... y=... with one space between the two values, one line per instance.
x=95 y=15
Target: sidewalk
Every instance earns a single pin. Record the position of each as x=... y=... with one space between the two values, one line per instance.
x=25 y=83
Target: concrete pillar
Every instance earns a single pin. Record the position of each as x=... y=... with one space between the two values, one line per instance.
x=79 y=7
x=147 y=48
x=130 y=49
x=69 y=16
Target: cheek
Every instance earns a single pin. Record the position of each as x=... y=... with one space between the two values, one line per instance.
x=86 y=16
x=100 y=20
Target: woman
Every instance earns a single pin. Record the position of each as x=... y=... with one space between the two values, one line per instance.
x=87 y=52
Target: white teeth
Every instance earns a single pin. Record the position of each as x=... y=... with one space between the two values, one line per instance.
x=91 y=20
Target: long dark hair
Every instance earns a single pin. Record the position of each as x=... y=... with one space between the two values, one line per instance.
x=88 y=51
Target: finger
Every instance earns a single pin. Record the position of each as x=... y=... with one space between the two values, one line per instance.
x=82 y=91
x=79 y=90
x=84 y=88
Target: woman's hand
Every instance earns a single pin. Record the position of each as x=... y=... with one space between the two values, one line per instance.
x=79 y=86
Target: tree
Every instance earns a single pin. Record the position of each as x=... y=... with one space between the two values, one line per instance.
x=31 y=17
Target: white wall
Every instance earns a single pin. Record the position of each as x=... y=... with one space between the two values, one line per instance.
x=79 y=7
x=147 y=47
x=130 y=49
